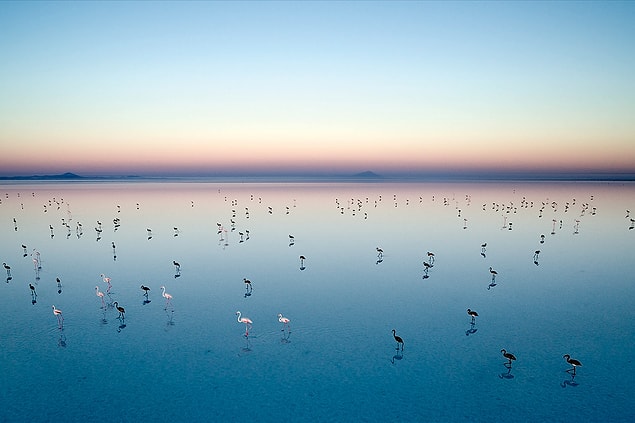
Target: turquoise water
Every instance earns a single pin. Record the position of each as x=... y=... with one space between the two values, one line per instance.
x=189 y=360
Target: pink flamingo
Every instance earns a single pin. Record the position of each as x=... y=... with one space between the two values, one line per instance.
x=285 y=322
x=246 y=321
x=165 y=295
x=107 y=280
x=100 y=295
x=60 y=319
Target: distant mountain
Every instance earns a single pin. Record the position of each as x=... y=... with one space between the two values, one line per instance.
x=68 y=176
x=368 y=175
x=64 y=176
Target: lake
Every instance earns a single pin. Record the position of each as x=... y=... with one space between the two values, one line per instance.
x=563 y=253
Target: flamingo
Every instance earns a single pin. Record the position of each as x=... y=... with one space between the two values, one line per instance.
x=58 y=313
x=246 y=321
x=472 y=313
x=430 y=257
x=302 y=258
x=177 y=266
x=145 y=290
x=493 y=272
x=398 y=339
x=32 y=288
x=380 y=252
x=285 y=321
x=247 y=283
x=107 y=280
x=509 y=356
x=575 y=363
x=121 y=310
x=7 y=268
x=167 y=296
x=100 y=295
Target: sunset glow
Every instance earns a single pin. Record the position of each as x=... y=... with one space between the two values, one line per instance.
x=213 y=88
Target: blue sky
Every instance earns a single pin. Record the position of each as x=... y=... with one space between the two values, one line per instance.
x=284 y=87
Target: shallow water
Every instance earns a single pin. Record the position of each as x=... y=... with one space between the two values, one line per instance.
x=190 y=361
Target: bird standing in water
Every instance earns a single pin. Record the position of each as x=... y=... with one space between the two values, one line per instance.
x=398 y=339
x=509 y=356
x=121 y=310
x=246 y=321
x=285 y=322
x=165 y=295
x=100 y=295
x=472 y=314
x=60 y=319
x=575 y=363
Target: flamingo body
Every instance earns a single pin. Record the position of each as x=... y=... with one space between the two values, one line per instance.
x=398 y=339
x=284 y=320
x=509 y=356
x=246 y=321
x=575 y=363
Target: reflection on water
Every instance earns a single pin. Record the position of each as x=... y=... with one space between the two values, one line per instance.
x=548 y=266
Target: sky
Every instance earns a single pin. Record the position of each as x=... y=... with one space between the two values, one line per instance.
x=282 y=88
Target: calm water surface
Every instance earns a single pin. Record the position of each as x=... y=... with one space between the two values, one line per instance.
x=190 y=360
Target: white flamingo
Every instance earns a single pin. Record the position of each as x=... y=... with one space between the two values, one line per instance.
x=165 y=295
x=285 y=322
x=58 y=313
x=246 y=321
x=107 y=280
x=100 y=295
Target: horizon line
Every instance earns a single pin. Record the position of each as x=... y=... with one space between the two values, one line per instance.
x=358 y=176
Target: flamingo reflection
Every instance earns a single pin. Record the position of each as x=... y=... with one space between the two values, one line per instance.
x=472 y=330
x=397 y=356
x=569 y=382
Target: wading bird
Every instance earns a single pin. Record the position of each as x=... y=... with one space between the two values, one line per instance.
x=509 y=356
x=398 y=339
x=58 y=313
x=575 y=363
x=246 y=321
x=100 y=295
x=165 y=295
x=285 y=321
x=121 y=310
x=493 y=273
x=472 y=314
